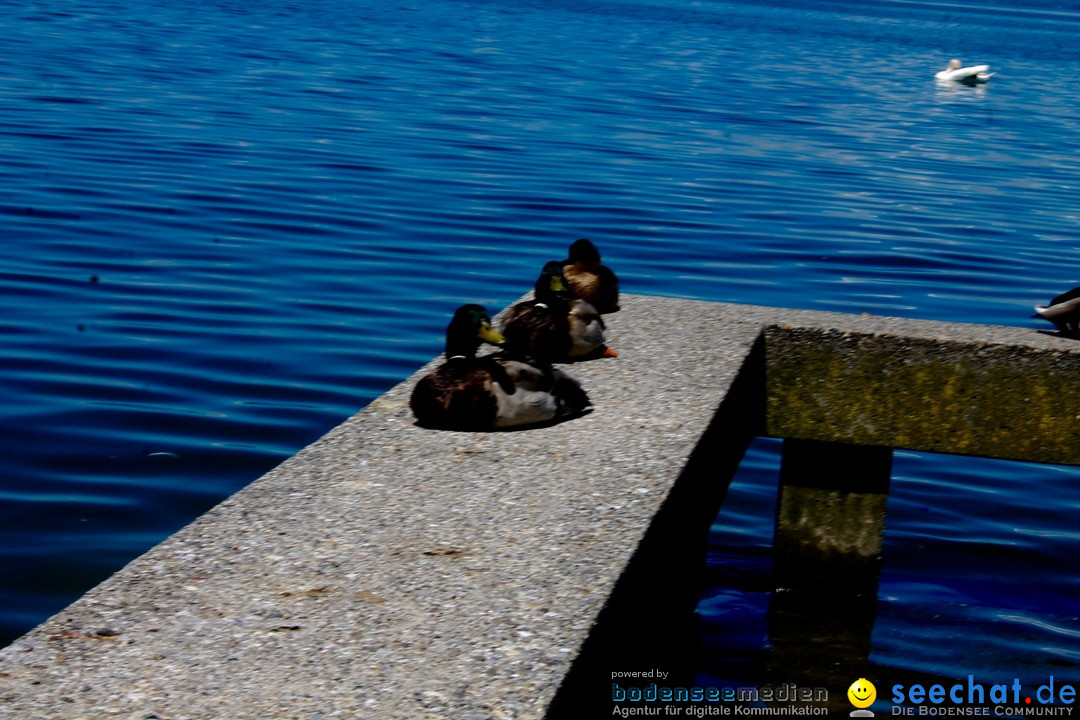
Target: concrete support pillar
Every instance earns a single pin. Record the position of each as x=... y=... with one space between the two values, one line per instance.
x=827 y=553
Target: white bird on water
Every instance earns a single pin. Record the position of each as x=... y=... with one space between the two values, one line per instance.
x=967 y=75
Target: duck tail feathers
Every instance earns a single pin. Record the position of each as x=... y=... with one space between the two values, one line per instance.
x=572 y=397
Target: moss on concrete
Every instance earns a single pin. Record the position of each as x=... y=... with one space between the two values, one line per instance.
x=994 y=400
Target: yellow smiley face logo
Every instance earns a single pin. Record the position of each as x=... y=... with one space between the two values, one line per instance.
x=862 y=693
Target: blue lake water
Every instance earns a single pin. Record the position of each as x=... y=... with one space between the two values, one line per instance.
x=229 y=225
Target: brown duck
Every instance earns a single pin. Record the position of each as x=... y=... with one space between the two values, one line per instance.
x=589 y=279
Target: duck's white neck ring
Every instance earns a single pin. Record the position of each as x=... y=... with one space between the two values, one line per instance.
x=541 y=305
x=457 y=357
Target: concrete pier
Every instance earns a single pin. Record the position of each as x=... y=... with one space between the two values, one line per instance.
x=388 y=571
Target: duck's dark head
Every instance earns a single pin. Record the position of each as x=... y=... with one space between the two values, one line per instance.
x=584 y=251
x=470 y=326
x=551 y=285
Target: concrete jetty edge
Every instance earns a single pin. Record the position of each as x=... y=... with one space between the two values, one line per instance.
x=388 y=571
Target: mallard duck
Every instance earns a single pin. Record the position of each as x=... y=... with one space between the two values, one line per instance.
x=555 y=326
x=1063 y=311
x=589 y=279
x=468 y=392
x=967 y=75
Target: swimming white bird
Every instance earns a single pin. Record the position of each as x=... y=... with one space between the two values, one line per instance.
x=967 y=75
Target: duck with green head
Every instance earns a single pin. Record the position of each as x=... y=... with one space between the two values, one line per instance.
x=555 y=326
x=474 y=393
